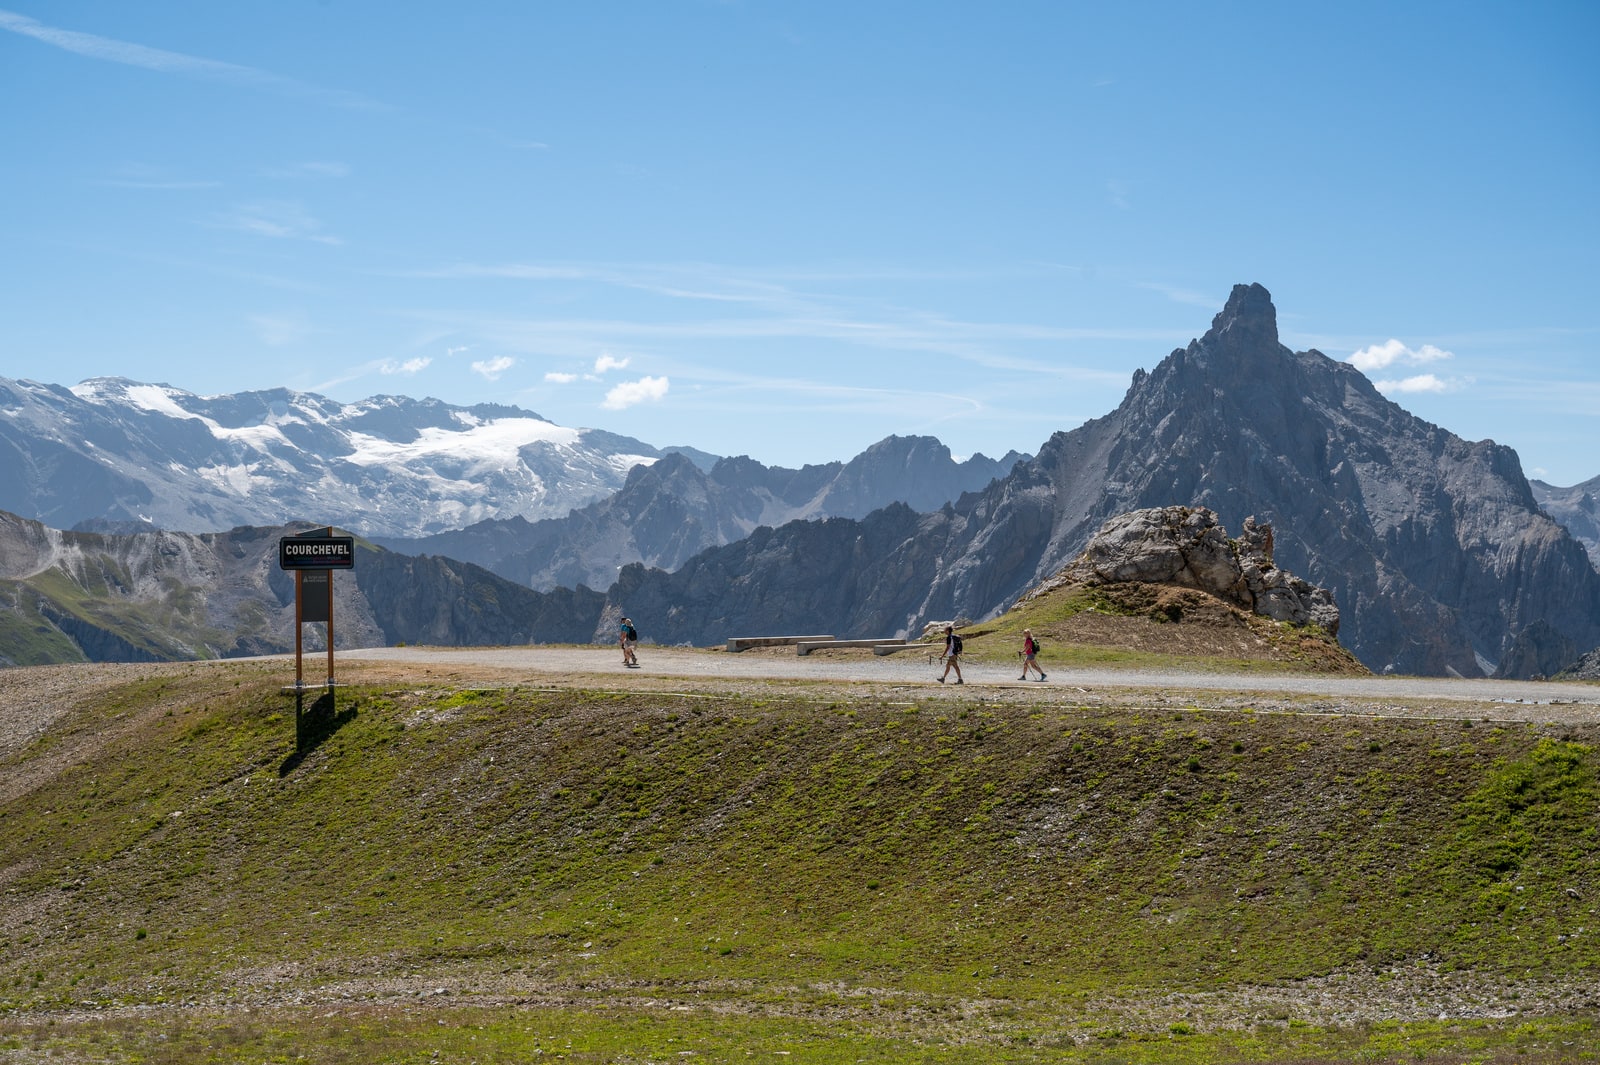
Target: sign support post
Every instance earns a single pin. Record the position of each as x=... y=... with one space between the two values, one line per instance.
x=313 y=557
x=299 y=590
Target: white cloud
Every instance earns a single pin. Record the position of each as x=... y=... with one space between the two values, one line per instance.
x=410 y=366
x=1392 y=352
x=1425 y=382
x=491 y=369
x=608 y=361
x=560 y=378
x=278 y=219
x=137 y=55
x=630 y=393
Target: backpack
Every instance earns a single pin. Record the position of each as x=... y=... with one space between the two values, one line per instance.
x=955 y=643
x=628 y=633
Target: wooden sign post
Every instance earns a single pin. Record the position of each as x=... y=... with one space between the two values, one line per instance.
x=313 y=557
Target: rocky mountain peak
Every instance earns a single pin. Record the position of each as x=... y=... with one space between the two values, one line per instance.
x=1247 y=322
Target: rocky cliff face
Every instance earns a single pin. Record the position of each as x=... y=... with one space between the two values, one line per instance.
x=670 y=511
x=849 y=577
x=1433 y=546
x=1577 y=508
x=1586 y=668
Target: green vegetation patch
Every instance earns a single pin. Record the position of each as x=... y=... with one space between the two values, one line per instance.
x=788 y=857
x=517 y=1034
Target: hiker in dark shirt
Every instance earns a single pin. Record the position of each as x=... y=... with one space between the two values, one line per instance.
x=951 y=655
x=628 y=636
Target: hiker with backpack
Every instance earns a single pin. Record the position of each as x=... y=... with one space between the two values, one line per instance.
x=1029 y=653
x=951 y=655
x=628 y=636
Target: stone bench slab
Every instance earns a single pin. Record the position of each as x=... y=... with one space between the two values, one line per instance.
x=805 y=647
x=744 y=643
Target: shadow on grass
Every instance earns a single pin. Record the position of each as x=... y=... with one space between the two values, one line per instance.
x=313 y=725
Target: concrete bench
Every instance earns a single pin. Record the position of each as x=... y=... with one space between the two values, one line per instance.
x=894 y=648
x=805 y=647
x=744 y=643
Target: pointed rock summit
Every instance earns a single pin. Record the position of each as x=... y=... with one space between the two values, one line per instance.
x=1248 y=322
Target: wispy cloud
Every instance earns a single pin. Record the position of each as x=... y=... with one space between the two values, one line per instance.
x=280 y=330
x=631 y=393
x=1186 y=296
x=409 y=367
x=158 y=186
x=1392 y=352
x=1424 y=382
x=1119 y=194
x=278 y=219
x=556 y=378
x=762 y=306
x=310 y=170
x=491 y=369
x=110 y=50
x=608 y=361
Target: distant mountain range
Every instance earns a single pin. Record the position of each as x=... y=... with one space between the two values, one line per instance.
x=1442 y=557
x=670 y=511
x=160 y=596
x=120 y=454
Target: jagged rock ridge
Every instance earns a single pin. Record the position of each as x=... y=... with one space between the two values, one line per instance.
x=671 y=510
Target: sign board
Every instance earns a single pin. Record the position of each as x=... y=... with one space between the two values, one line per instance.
x=316 y=595
x=317 y=552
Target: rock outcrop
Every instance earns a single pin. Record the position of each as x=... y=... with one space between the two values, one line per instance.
x=1188 y=546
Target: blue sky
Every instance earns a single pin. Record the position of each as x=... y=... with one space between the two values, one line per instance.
x=790 y=229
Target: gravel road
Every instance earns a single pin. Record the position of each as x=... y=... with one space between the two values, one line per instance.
x=911 y=667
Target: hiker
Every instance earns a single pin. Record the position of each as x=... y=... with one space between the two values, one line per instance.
x=1029 y=653
x=628 y=636
x=952 y=652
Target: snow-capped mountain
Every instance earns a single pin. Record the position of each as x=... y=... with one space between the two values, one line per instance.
x=120 y=451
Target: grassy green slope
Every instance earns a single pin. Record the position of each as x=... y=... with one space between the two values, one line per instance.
x=170 y=627
x=1147 y=617
x=166 y=844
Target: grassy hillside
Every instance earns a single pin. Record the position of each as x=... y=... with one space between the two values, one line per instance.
x=1152 y=626
x=916 y=879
